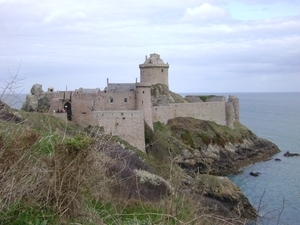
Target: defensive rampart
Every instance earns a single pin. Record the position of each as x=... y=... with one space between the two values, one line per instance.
x=212 y=111
x=128 y=125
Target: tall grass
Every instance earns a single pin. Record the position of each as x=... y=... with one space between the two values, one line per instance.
x=53 y=172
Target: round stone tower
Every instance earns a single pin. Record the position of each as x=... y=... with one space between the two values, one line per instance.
x=154 y=70
x=143 y=101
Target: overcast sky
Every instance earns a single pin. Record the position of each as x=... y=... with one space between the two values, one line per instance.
x=211 y=46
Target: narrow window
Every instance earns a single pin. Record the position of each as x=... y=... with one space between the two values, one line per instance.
x=111 y=100
x=162 y=70
x=125 y=99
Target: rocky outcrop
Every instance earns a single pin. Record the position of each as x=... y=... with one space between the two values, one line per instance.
x=219 y=194
x=134 y=179
x=43 y=104
x=7 y=114
x=288 y=154
x=36 y=89
x=36 y=102
x=215 y=159
x=205 y=147
x=162 y=96
x=31 y=103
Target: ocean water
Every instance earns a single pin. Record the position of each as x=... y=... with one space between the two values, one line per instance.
x=276 y=191
x=14 y=101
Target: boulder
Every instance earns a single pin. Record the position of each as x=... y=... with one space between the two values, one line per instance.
x=36 y=90
x=254 y=174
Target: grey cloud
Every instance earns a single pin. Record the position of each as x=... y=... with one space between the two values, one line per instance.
x=62 y=41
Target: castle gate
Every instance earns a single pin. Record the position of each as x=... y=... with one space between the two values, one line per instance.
x=68 y=109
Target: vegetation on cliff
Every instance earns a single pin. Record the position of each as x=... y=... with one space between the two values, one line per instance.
x=54 y=172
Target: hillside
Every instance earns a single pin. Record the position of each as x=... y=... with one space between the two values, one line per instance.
x=54 y=172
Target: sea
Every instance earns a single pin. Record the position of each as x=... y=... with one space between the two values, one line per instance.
x=275 y=193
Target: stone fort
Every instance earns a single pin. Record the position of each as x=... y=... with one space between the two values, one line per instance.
x=122 y=108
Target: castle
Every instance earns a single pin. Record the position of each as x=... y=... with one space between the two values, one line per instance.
x=123 y=108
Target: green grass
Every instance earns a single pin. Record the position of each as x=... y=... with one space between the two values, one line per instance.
x=20 y=213
x=205 y=97
x=187 y=139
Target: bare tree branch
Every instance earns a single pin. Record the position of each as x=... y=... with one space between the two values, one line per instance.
x=10 y=88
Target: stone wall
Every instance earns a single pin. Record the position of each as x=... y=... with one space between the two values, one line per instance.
x=212 y=111
x=120 y=100
x=128 y=125
x=82 y=106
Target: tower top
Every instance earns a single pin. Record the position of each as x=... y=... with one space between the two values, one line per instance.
x=154 y=60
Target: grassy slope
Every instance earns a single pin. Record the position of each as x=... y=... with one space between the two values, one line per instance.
x=51 y=173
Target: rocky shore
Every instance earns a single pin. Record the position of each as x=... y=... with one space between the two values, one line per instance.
x=218 y=160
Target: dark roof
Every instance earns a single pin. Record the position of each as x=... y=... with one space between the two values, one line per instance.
x=120 y=87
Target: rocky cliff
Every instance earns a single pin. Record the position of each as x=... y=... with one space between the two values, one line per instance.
x=204 y=147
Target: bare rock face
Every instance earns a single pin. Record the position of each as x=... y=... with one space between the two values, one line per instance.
x=31 y=103
x=36 y=90
x=221 y=194
x=43 y=104
x=161 y=95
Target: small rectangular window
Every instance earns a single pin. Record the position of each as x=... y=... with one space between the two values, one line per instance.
x=111 y=100
x=162 y=70
x=125 y=99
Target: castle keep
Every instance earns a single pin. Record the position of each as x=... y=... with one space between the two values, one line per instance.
x=122 y=108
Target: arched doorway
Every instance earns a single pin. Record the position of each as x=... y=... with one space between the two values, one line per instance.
x=68 y=110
